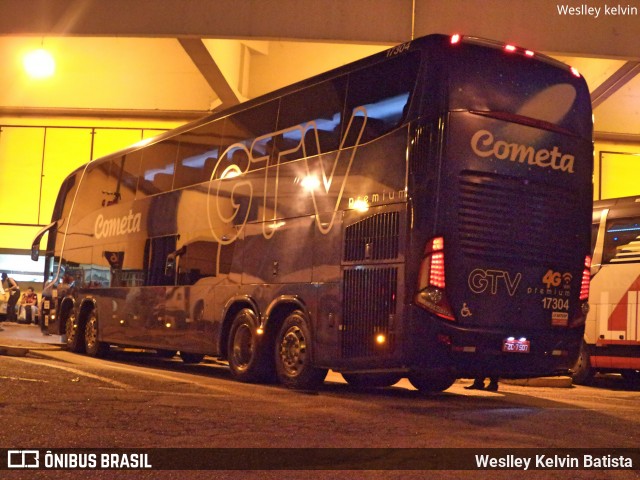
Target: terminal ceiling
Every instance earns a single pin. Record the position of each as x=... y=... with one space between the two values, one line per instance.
x=178 y=59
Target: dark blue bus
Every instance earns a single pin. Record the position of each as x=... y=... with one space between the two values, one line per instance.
x=421 y=213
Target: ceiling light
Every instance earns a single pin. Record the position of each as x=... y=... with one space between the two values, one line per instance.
x=39 y=63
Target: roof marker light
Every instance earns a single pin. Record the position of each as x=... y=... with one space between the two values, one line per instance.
x=529 y=53
x=455 y=38
x=575 y=71
x=510 y=48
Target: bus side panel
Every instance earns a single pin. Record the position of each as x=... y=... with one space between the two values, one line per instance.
x=613 y=324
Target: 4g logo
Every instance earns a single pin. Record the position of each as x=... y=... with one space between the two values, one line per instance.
x=555 y=279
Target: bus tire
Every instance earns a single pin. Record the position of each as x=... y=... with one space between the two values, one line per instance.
x=93 y=346
x=74 y=334
x=247 y=357
x=582 y=371
x=187 y=357
x=293 y=359
x=431 y=382
x=371 y=380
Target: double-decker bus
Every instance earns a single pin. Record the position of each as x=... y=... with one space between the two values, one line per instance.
x=421 y=213
x=612 y=333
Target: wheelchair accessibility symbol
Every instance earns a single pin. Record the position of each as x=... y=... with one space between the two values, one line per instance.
x=465 y=311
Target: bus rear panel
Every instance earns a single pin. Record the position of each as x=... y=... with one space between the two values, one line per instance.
x=508 y=226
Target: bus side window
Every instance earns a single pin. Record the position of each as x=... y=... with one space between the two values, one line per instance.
x=622 y=241
x=198 y=154
x=384 y=90
x=317 y=110
x=244 y=128
x=156 y=252
x=157 y=169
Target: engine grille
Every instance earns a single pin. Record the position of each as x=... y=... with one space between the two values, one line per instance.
x=369 y=302
x=515 y=219
x=374 y=238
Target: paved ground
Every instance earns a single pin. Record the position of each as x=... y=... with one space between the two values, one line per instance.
x=20 y=340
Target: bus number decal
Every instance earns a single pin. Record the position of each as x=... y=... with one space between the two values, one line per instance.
x=554 y=303
x=398 y=49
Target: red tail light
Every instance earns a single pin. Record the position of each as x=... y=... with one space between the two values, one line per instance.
x=431 y=280
x=586 y=279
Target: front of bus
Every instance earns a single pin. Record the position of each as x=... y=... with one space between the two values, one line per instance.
x=503 y=280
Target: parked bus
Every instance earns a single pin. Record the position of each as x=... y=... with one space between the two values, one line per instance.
x=421 y=213
x=611 y=337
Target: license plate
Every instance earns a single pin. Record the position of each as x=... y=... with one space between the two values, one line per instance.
x=513 y=345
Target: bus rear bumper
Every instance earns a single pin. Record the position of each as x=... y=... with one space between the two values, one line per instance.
x=472 y=352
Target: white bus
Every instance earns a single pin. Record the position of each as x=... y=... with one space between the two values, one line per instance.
x=612 y=335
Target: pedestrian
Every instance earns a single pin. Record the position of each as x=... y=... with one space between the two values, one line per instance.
x=29 y=307
x=478 y=384
x=12 y=287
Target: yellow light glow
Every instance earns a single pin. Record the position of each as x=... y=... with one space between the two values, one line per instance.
x=231 y=171
x=360 y=205
x=39 y=63
x=381 y=339
x=310 y=183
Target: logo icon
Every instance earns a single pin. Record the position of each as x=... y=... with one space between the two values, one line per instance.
x=23 y=459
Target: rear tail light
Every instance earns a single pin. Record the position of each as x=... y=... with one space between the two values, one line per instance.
x=432 y=281
x=586 y=279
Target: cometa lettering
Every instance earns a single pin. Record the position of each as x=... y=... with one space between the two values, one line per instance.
x=484 y=144
x=111 y=227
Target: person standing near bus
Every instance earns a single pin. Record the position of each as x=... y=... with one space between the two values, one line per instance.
x=478 y=384
x=12 y=287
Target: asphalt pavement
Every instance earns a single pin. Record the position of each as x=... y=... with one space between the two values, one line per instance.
x=19 y=339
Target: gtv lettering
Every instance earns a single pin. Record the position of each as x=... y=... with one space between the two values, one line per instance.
x=484 y=144
x=489 y=281
x=224 y=204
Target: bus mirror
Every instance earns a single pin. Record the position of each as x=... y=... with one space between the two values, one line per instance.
x=35 y=252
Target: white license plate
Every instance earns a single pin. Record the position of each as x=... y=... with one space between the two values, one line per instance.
x=512 y=345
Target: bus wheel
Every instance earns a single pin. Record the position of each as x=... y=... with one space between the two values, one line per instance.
x=582 y=371
x=93 y=346
x=293 y=354
x=191 y=357
x=371 y=380
x=247 y=361
x=74 y=334
x=431 y=382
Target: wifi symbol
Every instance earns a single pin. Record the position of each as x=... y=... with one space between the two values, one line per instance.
x=566 y=278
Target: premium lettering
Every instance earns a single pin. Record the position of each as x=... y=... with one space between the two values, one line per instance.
x=485 y=145
x=112 y=227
